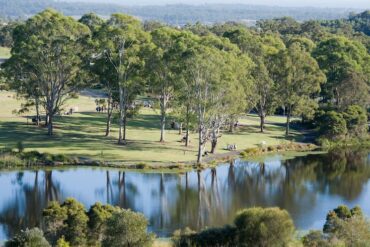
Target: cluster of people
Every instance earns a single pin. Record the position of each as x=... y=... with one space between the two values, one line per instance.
x=101 y=109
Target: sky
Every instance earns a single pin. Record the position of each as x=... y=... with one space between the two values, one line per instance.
x=364 y=4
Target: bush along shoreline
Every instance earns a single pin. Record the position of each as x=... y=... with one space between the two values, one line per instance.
x=70 y=224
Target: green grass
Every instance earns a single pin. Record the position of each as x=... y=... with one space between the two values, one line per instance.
x=82 y=135
x=4 y=52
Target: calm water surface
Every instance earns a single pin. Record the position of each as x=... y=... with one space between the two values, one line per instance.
x=308 y=187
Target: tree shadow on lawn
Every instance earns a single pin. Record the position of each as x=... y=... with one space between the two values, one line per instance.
x=73 y=138
x=143 y=121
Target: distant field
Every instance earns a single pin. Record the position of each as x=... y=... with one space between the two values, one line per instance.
x=4 y=52
x=82 y=135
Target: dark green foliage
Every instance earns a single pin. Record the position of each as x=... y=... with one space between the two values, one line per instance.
x=6 y=33
x=212 y=237
x=284 y=25
x=339 y=214
x=68 y=220
x=126 y=228
x=361 y=22
x=98 y=216
x=69 y=224
x=343 y=227
x=28 y=238
x=260 y=227
x=92 y=20
x=315 y=239
x=264 y=227
x=75 y=230
x=331 y=124
x=356 y=119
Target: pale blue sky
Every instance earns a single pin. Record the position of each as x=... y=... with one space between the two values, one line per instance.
x=363 y=4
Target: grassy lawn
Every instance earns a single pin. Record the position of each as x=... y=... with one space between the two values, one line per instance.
x=82 y=135
x=4 y=52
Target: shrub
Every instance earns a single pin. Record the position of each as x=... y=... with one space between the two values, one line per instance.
x=315 y=239
x=342 y=212
x=264 y=227
x=356 y=119
x=28 y=238
x=224 y=236
x=54 y=217
x=69 y=220
x=127 y=228
x=334 y=126
x=349 y=226
x=98 y=216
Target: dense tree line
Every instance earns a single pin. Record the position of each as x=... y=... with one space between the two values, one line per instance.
x=206 y=76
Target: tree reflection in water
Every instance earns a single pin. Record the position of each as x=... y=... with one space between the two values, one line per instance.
x=306 y=186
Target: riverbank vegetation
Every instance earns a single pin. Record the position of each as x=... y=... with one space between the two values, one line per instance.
x=200 y=80
x=69 y=224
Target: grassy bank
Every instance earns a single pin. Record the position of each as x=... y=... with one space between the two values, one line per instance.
x=4 y=52
x=81 y=135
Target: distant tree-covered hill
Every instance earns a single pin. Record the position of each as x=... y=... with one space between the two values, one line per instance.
x=172 y=14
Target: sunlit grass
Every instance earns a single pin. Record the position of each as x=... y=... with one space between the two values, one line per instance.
x=82 y=135
x=4 y=52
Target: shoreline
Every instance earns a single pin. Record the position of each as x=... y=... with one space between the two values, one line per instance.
x=34 y=160
x=210 y=161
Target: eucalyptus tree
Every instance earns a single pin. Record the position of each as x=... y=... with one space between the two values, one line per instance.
x=211 y=73
x=203 y=74
x=299 y=78
x=107 y=79
x=339 y=56
x=261 y=48
x=231 y=97
x=47 y=53
x=92 y=21
x=237 y=71
x=184 y=104
x=164 y=69
x=102 y=72
x=122 y=42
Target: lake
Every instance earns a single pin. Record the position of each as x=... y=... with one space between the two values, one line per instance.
x=308 y=187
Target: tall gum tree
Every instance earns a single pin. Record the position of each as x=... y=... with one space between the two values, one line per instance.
x=102 y=72
x=163 y=66
x=299 y=79
x=122 y=42
x=260 y=47
x=210 y=68
x=47 y=51
x=339 y=56
x=203 y=70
